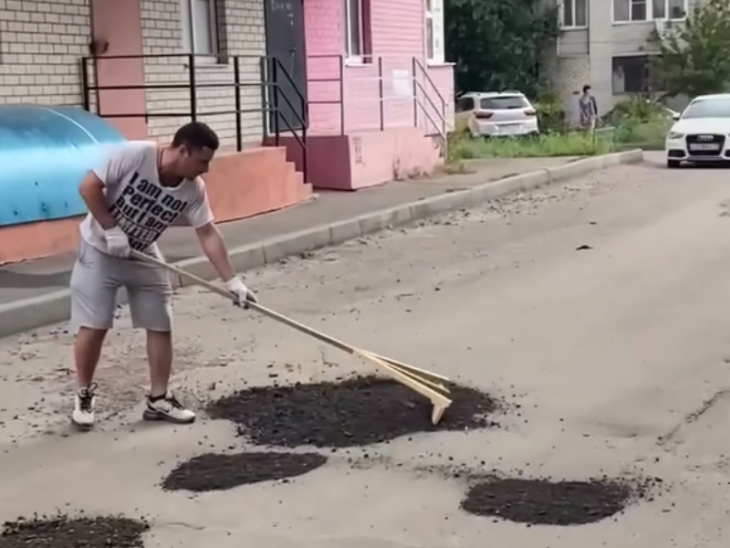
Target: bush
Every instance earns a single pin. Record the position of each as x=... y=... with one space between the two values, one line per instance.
x=576 y=143
x=551 y=115
x=638 y=108
x=456 y=144
x=640 y=122
x=642 y=132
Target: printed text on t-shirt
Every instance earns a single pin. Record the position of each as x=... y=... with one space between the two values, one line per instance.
x=144 y=210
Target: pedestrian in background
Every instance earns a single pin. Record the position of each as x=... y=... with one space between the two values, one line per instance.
x=588 y=109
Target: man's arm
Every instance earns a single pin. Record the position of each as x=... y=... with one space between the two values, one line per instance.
x=200 y=217
x=92 y=192
x=123 y=159
x=211 y=241
x=215 y=249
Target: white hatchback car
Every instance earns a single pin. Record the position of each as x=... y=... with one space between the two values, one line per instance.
x=701 y=133
x=508 y=113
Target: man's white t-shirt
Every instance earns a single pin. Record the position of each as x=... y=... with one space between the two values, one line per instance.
x=141 y=206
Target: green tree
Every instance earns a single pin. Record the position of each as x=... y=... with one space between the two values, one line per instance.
x=500 y=44
x=695 y=54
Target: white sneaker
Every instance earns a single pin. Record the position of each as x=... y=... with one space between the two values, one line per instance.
x=83 y=414
x=167 y=408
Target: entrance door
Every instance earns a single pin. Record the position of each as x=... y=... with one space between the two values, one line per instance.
x=285 y=42
x=120 y=64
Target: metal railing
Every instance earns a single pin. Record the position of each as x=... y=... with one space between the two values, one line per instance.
x=339 y=80
x=271 y=74
x=346 y=76
x=420 y=70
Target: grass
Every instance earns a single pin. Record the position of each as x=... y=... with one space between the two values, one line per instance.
x=578 y=143
x=626 y=130
x=645 y=135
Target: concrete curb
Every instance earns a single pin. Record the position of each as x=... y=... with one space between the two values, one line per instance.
x=55 y=307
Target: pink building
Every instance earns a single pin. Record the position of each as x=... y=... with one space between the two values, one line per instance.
x=380 y=94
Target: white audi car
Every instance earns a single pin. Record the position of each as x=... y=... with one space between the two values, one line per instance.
x=701 y=133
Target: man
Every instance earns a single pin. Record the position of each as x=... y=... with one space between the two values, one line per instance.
x=588 y=109
x=139 y=191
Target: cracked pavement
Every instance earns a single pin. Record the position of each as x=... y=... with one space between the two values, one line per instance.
x=619 y=355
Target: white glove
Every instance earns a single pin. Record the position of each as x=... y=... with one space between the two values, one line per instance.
x=242 y=295
x=117 y=243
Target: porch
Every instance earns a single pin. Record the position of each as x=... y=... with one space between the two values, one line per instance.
x=385 y=118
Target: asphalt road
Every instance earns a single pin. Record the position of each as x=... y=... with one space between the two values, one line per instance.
x=619 y=355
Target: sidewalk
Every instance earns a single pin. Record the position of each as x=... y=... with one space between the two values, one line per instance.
x=28 y=287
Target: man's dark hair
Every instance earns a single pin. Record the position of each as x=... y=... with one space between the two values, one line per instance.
x=196 y=135
x=586 y=89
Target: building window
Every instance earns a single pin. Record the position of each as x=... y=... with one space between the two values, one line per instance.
x=354 y=45
x=633 y=74
x=435 y=51
x=574 y=14
x=675 y=9
x=625 y=11
x=200 y=27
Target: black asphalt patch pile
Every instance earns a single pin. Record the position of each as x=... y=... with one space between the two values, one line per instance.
x=64 y=532
x=355 y=412
x=546 y=502
x=218 y=472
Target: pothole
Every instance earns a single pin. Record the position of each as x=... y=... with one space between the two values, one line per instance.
x=219 y=472
x=354 y=412
x=62 y=531
x=547 y=502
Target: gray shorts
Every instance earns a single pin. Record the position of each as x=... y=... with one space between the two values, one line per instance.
x=96 y=279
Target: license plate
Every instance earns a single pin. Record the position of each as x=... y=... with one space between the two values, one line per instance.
x=705 y=146
x=507 y=128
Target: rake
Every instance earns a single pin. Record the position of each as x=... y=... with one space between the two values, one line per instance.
x=426 y=383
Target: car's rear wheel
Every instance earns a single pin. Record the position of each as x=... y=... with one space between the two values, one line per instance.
x=673 y=164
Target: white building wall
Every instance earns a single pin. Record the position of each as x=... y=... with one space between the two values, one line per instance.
x=570 y=75
x=41 y=45
x=242 y=33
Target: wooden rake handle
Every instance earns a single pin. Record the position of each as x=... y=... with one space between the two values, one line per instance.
x=255 y=306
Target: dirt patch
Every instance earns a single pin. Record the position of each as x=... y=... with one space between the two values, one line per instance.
x=218 y=472
x=355 y=412
x=547 y=502
x=64 y=532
